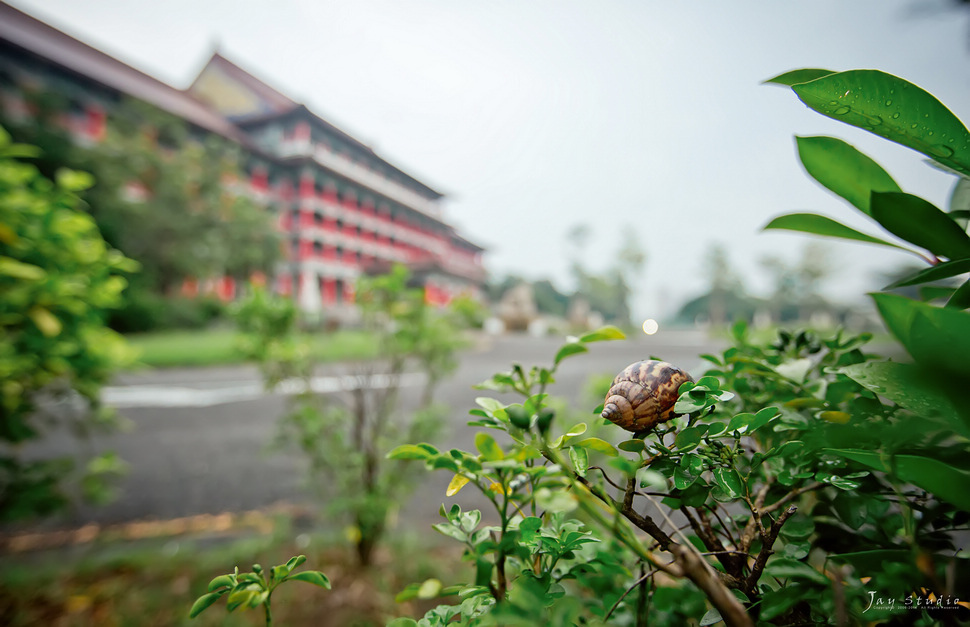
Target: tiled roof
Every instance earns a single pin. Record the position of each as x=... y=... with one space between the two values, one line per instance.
x=47 y=42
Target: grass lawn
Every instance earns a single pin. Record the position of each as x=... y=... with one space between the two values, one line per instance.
x=217 y=346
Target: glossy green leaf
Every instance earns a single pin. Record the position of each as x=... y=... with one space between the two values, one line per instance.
x=573 y=348
x=311 y=576
x=598 y=445
x=940 y=271
x=939 y=478
x=486 y=445
x=794 y=77
x=921 y=223
x=893 y=108
x=821 y=225
x=934 y=336
x=729 y=481
x=240 y=598
x=959 y=203
x=204 y=602
x=20 y=270
x=602 y=335
x=843 y=169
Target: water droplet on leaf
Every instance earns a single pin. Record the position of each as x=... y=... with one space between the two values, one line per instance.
x=941 y=151
x=842 y=110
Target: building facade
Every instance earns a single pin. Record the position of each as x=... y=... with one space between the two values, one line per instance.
x=342 y=209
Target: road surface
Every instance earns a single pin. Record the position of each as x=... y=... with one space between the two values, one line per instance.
x=198 y=438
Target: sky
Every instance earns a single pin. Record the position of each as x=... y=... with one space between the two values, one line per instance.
x=641 y=119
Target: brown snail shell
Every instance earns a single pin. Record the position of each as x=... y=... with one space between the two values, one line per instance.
x=643 y=395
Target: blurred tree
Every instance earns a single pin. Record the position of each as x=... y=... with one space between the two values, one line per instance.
x=725 y=299
x=797 y=289
x=57 y=279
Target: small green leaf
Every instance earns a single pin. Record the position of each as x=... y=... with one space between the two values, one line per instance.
x=204 y=602
x=220 y=582
x=598 y=445
x=820 y=225
x=429 y=589
x=311 y=576
x=729 y=481
x=20 y=270
x=573 y=348
x=240 y=598
x=794 y=77
x=604 y=334
x=712 y=617
x=580 y=459
x=73 y=180
x=456 y=484
x=486 y=445
x=840 y=167
x=408 y=451
x=921 y=223
x=294 y=562
x=575 y=430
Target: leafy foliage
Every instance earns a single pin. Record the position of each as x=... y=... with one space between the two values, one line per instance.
x=254 y=589
x=345 y=444
x=813 y=477
x=57 y=279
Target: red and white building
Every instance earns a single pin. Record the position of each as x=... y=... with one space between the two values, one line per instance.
x=343 y=210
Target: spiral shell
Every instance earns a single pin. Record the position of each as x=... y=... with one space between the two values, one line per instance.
x=643 y=395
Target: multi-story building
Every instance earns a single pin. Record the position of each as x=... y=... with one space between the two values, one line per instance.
x=343 y=210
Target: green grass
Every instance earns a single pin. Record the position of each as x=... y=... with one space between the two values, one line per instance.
x=219 y=346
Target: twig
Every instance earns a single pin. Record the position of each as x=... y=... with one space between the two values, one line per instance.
x=791 y=496
x=765 y=553
x=628 y=591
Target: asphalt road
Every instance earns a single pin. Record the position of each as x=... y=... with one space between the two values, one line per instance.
x=198 y=439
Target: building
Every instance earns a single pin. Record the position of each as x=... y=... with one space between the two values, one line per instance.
x=344 y=211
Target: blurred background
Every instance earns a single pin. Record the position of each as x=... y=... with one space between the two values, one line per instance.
x=540 y=169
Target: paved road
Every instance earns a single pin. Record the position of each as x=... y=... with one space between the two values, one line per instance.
x=198 y=438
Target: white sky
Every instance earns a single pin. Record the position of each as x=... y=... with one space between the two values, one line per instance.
x=642 y=116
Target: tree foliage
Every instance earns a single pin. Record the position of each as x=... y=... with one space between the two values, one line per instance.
x=58 y=278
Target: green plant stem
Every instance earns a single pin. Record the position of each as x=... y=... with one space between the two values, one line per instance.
x=269 y=613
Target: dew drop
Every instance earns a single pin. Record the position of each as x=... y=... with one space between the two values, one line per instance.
x=842 y=110
x=889 y=103
x=913 y=125
x=941 y=151
x=875 y=120
x=895 y=116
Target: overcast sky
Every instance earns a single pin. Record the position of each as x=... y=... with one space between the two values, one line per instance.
x=641 y=116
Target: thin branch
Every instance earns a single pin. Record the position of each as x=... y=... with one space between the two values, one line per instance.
x=791 y=496
x=765 y=553
x=628 y=591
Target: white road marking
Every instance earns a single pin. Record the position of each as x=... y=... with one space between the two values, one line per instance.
x=180 y=396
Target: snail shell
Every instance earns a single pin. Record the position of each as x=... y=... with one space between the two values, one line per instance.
x=643 y=395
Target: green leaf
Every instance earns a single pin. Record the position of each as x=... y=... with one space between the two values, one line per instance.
x=603 y=334
x=456 y=484
x=961 y=297
x=580 y=459
x=943 y=270
x=843 y=169
x=311 y=576
x=893 y=108
x=936 y=337
x=489 y=404
x=573 y=348
x=939 y=478
x=239 y=598
x=712 y=617
x=689 y=438
x=729 y=481
x=555 y=500
x=429 y=589
x=820 y=225
x=598 y=445
x=794 y=77
x=409 y=451
x=908 y=386
x=204 y=602
x=20 y=270
x=784 y=568
x=294 y=562
x=73 y=180
x=220 y=582
x=486 y=445
x=921 y=223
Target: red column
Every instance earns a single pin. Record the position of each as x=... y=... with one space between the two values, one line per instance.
x=329 y=291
